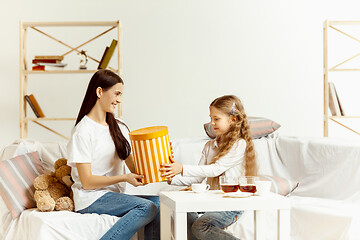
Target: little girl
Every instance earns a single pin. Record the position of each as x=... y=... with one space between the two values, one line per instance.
x=231 y=154
x=96 y=152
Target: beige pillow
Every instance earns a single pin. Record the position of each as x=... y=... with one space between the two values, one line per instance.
x=259 y=127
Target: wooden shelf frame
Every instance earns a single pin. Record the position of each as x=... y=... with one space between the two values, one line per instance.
x=24 y=28
x=334 y=25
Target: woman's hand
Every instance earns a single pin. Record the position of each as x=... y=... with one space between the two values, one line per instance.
x=171 y=169
x=134 y=179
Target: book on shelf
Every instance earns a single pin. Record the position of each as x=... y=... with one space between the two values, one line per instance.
x=52 y=64
x=38 y=68
x=334 y=101
x=37 y=61
x=34 y=106
x=49 y=57
x=103 y=56
x=109 y=51
x=340 y=106
x=49 y=66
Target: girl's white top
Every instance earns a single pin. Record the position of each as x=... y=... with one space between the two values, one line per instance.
x=91 y=142
x=229 y=165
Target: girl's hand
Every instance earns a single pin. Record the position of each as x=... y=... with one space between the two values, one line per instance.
x=134 y=179
x=168 y=180
x=171 y=169
x=172 y=152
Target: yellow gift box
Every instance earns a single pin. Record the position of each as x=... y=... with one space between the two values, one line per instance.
x=151 y=148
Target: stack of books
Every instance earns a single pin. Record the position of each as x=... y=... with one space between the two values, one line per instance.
x=40 y=62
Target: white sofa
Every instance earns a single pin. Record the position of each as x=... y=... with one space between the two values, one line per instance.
x=325 y=205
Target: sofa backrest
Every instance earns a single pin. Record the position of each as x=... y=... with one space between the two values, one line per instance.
x=49 y=151
x=325 y=167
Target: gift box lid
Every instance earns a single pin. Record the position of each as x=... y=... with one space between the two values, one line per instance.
x=148 y=133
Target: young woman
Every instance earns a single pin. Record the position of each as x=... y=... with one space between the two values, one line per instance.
x=231 y=154
x=97 y=150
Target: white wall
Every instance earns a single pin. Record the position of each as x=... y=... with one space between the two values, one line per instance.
x=179 y=55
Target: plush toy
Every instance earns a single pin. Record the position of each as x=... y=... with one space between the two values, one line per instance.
x=53 y=191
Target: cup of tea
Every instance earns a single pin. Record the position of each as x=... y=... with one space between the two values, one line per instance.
x=262 y=187
x=247 y=184
x=200 y=187
x=229 y=184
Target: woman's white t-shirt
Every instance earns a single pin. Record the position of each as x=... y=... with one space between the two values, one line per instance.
x=91 y=142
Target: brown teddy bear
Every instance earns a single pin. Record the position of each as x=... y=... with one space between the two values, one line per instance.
x=53 y=191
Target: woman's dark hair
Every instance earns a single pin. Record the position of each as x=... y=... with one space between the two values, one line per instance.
x=105 y=79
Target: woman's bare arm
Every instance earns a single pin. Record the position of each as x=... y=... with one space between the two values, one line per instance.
x=90 y=181
x=130 y=163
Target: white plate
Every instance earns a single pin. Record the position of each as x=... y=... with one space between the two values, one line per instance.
x=238 y=194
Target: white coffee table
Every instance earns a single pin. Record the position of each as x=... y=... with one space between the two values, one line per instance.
x=179 y=203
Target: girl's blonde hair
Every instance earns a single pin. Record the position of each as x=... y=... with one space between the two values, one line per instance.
x=232 y=106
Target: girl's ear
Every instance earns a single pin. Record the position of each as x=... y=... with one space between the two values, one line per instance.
x=234 y=119
x=99 y=92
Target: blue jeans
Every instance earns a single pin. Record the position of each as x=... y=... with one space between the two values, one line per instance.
x=135 y=212
x=210 y=225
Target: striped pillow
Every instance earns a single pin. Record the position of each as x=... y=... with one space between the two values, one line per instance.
x=259 y=127
x=280 y=185
x=16 y=181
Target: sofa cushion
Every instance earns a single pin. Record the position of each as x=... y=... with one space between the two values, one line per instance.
x=16 y=181
x=280 y=185
x=259 y=127
x=64 y=225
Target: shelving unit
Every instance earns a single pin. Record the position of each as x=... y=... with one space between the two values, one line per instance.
x=26 y=72
x=334 y=25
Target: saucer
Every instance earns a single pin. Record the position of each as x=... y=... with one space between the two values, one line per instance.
x=238 y=195
x=263 y=194
x=199 y=192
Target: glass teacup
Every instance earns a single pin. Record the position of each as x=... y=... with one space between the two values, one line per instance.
x=247 y=184
x=229 y=184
